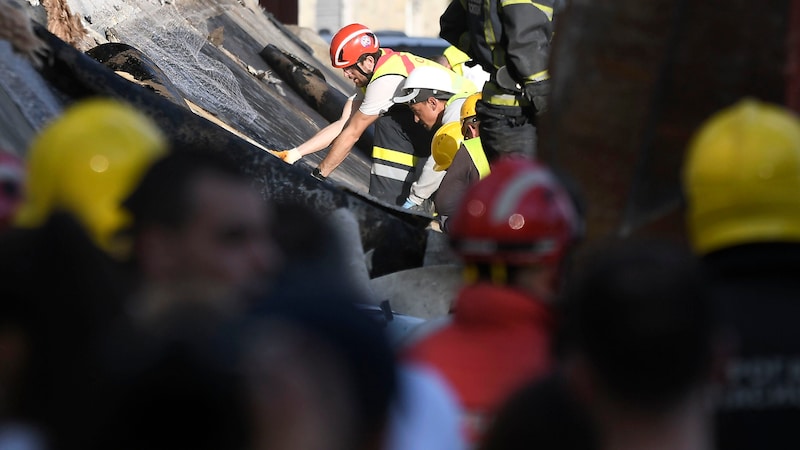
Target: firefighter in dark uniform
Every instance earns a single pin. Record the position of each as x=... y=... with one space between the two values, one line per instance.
x=741 y=179
x=510 y=39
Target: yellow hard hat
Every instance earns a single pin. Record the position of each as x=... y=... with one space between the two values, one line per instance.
x=86 y=163
x=468 y=107
x=445 y=144
x=742 y=177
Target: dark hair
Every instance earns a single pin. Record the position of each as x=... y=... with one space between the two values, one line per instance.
x=163 y=195
x=543 y=414
x=641 y=314
x=355 y=338
x=375 y=56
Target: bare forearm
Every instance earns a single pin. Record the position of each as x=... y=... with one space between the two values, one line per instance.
x=321 y=140
x=339 y=150
x=345 y=141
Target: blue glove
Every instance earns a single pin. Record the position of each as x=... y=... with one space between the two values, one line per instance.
x=409 y=204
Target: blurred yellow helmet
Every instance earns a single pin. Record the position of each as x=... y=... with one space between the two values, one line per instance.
x=742 y=177
x=86 y=162
x=445 y=144
x=468 y=107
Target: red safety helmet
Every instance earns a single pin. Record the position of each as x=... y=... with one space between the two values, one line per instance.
x=349 y=43
x=12 y=176
x=519 y=214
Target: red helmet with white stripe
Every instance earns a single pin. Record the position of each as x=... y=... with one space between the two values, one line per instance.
x=349 y=43
x=519 y=214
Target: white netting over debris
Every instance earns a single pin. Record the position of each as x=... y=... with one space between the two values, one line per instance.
x=174 y=44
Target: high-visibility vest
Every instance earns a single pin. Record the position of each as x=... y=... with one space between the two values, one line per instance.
x=475 y=149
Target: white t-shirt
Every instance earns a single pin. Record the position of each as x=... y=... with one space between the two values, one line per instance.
x=476 y=74
x=379 y=95
x=452 y=113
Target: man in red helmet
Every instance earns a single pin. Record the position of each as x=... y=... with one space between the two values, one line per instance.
x=401 y=146
x=512 y=231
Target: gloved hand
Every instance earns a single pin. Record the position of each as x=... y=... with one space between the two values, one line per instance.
x=538 y=93
x=409 y=204
x=289 y=156
x=316 y=173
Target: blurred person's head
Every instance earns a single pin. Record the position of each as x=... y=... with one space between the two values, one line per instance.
x=741 y=177
x=322 y=374
x=199 y=223
x=12 y=176
x=426 y=92
x=85 y=163
x=544 y=414
x=516 y=227
x=355 y=49
x=639 y=324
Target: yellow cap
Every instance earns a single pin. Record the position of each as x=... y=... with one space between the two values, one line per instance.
x=742 y=177
x=86 y=163
x=445 y=144
x=468 y=107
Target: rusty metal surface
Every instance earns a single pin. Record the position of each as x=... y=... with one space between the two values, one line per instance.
x=632 y=80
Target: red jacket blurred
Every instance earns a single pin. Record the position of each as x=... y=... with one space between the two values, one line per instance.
x=499 y=339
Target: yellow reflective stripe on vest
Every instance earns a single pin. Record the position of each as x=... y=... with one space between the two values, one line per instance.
x=457 y=97
x=394 y=156
x=547 y=10
x=475 y=149
x=539 y=76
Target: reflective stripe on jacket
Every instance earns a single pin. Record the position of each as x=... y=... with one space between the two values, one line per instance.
x=476 y=153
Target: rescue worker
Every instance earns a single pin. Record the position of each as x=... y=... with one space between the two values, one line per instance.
x=435 y=96
x=62 y=284
x=511 y=41
x=639 y=345
x=741 y=179
x=513 y=231
x=458 y=150
x=85 y=163
x=401 y=146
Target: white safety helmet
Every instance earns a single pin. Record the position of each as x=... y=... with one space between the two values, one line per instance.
x=434 y=81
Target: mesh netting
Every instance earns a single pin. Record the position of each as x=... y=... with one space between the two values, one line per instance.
x=175 y=45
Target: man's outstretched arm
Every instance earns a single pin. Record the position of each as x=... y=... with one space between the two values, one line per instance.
x=343 y=143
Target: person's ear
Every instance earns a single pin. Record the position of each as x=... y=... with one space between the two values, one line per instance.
x=432 y=102
x=371 y=58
